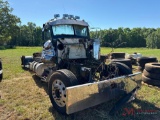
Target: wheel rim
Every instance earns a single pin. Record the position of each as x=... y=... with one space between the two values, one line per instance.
x=59 y=93
x=113 y=71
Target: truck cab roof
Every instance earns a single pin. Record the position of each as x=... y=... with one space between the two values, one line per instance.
x=68 y=22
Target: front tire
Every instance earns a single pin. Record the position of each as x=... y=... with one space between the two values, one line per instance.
x=58 y=82
x=115 y=69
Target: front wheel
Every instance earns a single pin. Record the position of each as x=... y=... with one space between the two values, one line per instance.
x=58 y=82
x=115 y=69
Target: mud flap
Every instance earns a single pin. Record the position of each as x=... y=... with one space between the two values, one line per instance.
x=87 y=95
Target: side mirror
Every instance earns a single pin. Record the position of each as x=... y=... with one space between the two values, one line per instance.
x=96 y=49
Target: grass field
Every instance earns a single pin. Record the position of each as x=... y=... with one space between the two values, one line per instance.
x=23 y=96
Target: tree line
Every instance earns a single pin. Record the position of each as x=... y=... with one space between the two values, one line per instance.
x=27 y=35
x=13 y=33
x=126 y=37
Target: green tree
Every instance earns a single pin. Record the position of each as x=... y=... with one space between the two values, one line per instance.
x=38 y=36
x=8 y=22
x=153 y=39
x=29 y=35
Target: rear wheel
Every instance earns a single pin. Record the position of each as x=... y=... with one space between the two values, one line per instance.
x=58 y=82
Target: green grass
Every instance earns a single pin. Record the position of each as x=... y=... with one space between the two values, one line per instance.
x=12 y=62
x=24 y=96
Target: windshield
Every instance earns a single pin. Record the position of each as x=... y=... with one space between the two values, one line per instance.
x=70 y=30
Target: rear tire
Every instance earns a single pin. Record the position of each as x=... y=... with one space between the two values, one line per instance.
x=58 y=82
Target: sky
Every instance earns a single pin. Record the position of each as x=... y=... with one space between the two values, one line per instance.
x=104 y=14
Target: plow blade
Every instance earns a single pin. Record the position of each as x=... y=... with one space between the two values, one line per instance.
x=87 y=95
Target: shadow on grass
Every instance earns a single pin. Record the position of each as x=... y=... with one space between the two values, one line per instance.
x=26 y=69
x=143 y=111
x=40 y=83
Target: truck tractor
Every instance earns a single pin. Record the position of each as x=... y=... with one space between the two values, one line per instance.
x=78 y=76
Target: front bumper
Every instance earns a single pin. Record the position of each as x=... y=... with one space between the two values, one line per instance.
x=87 y=95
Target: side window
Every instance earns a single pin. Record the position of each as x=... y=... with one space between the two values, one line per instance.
x=80 y=30
x=47 y=35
